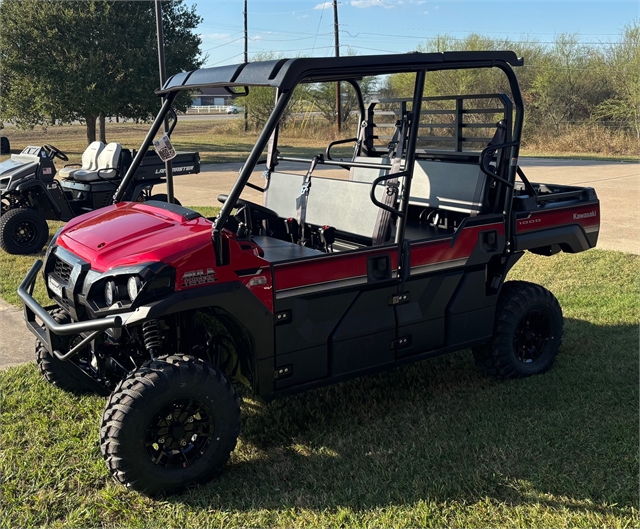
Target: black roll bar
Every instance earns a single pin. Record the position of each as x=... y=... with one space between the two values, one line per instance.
x=245 y=173
x=155 y=127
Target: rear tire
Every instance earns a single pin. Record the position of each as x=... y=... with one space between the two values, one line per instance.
x=23 y=231
x=527 y=333
x=169 y=424
x=61 y=374
x=5 y=146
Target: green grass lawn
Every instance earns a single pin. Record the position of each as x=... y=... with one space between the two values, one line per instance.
x=436 y=444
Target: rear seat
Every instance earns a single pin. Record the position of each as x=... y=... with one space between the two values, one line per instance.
x=448 y=186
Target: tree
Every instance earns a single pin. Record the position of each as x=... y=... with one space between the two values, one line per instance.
x=622 y=61
x=324 y=96
x=569 y=82
x=67 y=61
x=261 y=100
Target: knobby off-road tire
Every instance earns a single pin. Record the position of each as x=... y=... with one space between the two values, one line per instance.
x=23 y=231
x=61 y=374
x=527 y=333
x=169 y=424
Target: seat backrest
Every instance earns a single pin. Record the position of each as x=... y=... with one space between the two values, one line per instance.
x=90 y=156
x=343 y=204
x=448 y=185
x=453 y=186
x=110 y=156
x=367 y=174
x=283 y=194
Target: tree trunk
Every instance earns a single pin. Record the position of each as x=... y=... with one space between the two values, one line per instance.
x=91 y=128
x=103 y=130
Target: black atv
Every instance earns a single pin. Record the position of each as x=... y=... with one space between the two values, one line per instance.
x=30 y=195
x=5 y=146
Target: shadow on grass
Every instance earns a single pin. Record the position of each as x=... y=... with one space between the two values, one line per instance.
x=442 y=431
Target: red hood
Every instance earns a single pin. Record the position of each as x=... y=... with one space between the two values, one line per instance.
x=133 y=233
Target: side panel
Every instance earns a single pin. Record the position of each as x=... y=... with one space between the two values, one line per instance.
x=422 y=319
x=364 y=337
x=335 y=316
x=448 y=303
x=471 y=311
x=301 y=339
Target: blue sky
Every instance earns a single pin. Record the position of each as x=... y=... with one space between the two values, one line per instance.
x=291 y=27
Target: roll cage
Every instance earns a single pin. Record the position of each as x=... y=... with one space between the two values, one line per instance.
x=285 y=74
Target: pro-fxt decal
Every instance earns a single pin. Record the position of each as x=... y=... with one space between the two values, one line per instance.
x=198 y=277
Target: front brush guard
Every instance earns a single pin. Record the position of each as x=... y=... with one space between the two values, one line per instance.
x=49 y=335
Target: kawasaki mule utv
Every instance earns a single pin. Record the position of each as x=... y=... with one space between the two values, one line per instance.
x=352 y=264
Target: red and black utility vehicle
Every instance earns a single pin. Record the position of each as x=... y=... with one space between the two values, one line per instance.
x=397 y=254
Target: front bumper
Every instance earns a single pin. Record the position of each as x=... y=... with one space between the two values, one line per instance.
x=49 y=335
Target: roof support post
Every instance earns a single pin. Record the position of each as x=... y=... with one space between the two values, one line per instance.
x=163 y=77
x=245 y=172
x=416 y=106
x=166 y=106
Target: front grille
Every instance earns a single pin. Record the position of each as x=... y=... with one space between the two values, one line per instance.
x=62 y=270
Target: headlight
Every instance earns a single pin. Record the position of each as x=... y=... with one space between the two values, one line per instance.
x=133 y=287
x=110 y=293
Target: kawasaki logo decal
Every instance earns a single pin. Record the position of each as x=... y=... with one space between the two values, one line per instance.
x=578 y=216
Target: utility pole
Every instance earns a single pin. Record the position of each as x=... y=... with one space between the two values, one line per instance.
x=163 y=77
x=336 y=39
x=246 y=60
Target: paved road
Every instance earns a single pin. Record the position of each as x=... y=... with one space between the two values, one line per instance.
x=617 y=185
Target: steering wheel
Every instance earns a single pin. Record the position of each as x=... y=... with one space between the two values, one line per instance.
x=263 y=213
x=54 y=152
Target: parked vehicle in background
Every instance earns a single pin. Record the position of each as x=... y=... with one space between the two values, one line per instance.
x=30 y=194
x=5 y=146
x=233 y=109
x=400 y=256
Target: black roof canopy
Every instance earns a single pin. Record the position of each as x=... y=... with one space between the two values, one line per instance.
x=286 y=73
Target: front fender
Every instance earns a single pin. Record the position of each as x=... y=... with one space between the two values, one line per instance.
x=237 y=301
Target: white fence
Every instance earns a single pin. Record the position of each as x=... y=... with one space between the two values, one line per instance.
x=210 y=109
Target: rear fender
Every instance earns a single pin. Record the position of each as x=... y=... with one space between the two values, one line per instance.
x=571 y=239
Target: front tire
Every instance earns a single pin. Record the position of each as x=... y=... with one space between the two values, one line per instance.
x=169 y=424
x=527 y=333
x=61 y=374
x=22 y=231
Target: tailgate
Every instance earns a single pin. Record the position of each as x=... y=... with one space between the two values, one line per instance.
x=152 y=167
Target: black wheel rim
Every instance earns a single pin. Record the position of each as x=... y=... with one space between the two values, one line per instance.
x=179 y=434
x=531 y=336
x=25 y=233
